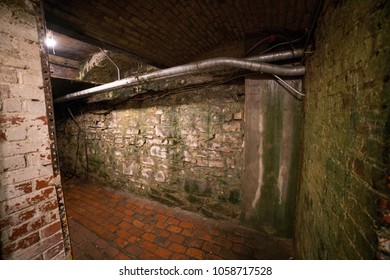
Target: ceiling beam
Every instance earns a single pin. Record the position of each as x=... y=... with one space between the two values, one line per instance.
x=64 y=72
x=61 y=27
x=62 y=61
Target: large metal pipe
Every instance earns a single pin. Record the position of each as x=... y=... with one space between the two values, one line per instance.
x=252 y=64
x=278 y=56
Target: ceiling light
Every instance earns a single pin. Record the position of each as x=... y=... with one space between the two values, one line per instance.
x=49 y=41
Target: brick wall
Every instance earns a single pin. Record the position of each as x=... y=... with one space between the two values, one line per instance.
x=29 y=214
x=346 y=136
x=184 y=150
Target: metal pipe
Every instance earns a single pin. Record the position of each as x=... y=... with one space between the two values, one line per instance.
x=251 y=64
x=288 y=86
x=271 y=57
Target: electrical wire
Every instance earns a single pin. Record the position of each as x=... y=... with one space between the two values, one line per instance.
x=117 y=68
x=78 y=142
x=257 y=44
x=286 y=43
x=78 y=147
x=287 y=85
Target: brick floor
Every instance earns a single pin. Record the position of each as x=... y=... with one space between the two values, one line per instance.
x=107 y=224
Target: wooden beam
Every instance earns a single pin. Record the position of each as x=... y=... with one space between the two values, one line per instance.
x=62 y=61
x=63 y=72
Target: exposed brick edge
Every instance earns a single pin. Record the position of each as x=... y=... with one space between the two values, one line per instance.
x=39 y=14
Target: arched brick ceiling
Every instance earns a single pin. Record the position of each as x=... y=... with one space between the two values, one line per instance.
x=172 y=32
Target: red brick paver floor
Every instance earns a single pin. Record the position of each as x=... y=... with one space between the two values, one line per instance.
x=107 y=224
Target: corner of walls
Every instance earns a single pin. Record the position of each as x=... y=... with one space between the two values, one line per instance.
x=272 y=128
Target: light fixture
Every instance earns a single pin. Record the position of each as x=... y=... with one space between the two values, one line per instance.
x=49 y=41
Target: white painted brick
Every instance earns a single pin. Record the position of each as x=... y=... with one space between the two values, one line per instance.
x=38 y=132
x=31 y=77
x=13 y=163
x=5 y=42
x=13 y=205
x=35 y=106
x=25 y=17
x=27 y=32
x=27 y=92
x=12 y=105
x=21 y=62
x=16 y=133
x=12 y=191
x=17 y=148
x=25 y=174
x=38 y=159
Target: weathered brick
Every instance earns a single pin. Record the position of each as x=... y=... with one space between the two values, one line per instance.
x=54 y=251
x=38 y=131
x=5 y=91
x=195 y=253
x=177 y=238
x=177 y=248
x=15 y=148
x=31 y=78
x=5 y=222
x=174 y=229
x=25 y=215
x=23 y=229
x=27 y=200
x=163 y=253
x=20 y=175
x=26 y=92
x=11 y=105
x=42 y=184
x=11 y=191
x=148 y=236
x=8 y=75
x=35 y=106
x=41 y=246
x=138 y=223
x=148 y=245
x=26 y=208
x=16 y=133
x=343 y=136
x=51 y=229
x=13 y=248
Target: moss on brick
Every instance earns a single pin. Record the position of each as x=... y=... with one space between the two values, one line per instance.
x=343 y=139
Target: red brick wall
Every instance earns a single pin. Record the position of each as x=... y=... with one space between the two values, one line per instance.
x=30 y=221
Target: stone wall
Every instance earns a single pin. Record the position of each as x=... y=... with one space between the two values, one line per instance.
x=30 y=221
x=346 y=136
x=185 y=149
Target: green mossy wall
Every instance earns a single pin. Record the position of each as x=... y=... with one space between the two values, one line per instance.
x=342 y=193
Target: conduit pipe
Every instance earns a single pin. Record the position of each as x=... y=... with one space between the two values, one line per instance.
x=251 y=63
